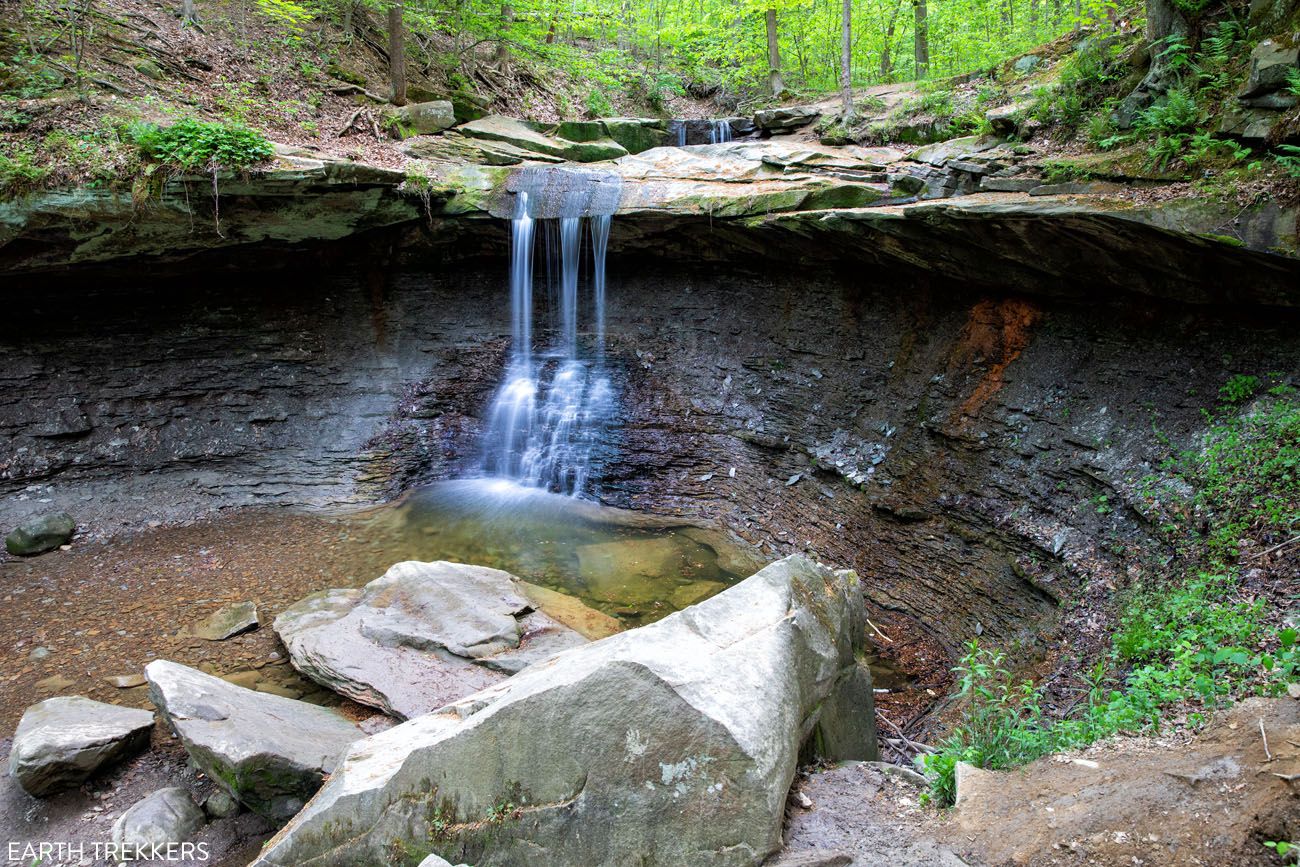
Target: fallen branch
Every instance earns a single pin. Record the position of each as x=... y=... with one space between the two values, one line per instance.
x=878 y=632
x=104 y=83
x=1263 y=734
x=1276 y=547
x=362 y=120
x=345 y=89
x=920 y=748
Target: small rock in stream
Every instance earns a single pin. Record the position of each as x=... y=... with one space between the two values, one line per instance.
x=40 y=534
x=227 y=621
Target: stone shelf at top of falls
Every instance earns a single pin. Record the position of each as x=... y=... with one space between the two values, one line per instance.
x=777 y=198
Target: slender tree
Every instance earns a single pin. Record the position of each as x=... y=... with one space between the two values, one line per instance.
x=774 y=81
x=503 y=46
x=921 y=39
x=397 y=53
x=846 y=61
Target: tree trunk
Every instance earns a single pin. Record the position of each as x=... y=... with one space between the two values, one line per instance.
x=397 y=53
x=774 y=81
x=887 y=52
x=503 y=48
x=1164 y=21
x=189 y=15
x=846 y=62
x=921 y=40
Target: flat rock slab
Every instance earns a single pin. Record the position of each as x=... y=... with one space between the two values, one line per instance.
x=156 y=822
x=679 y=739
x=270 y=753
x=540 y=138
x=227 y=621
x=790 y=117
x=939 y=153
x=62 y=741
x=421 y=636
x=745 y=178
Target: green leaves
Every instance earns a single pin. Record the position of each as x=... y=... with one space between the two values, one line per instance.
x=194 y=145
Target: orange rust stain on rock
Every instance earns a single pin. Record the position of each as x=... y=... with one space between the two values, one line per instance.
x=997 y=332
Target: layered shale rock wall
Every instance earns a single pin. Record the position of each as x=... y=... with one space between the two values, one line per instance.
x=972 y=454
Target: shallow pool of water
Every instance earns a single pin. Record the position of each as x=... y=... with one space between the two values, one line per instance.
x=637 y=567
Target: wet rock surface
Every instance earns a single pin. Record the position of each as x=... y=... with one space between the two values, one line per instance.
x=304 y=196
x=691 y=725
x=422 y=636
x=251 y=392
x=270 y=753
x=62 y=741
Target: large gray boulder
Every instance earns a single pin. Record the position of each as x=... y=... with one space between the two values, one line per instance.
x=427 y=118
x=153 y=827
x=269 y=752
x=40 y=534
x=675 y=743
x=421 y=636
x=61 y=741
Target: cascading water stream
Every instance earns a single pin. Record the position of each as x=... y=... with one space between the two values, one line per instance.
x=719 y=131
x=553 y=406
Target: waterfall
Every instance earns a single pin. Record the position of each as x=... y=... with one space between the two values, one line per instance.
x=556 y=400
x=677 y=129
x=719 y=131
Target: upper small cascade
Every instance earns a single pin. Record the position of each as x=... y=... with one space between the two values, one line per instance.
x=556 y=398
x=684 y=133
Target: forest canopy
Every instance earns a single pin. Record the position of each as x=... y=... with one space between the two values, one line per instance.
x=655 y=49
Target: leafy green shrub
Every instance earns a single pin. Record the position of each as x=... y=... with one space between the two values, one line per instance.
x=662 y=88
x=1003 y=724
x=1203 y=147
x=27 y=75
x=1289 y=159
x=1197 y=641
x=1247 y=475
x=194 y=145
x=1239 y=388
x=598 y=104
x=19 y=173
x=1178 y=112
x=1191 y=643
